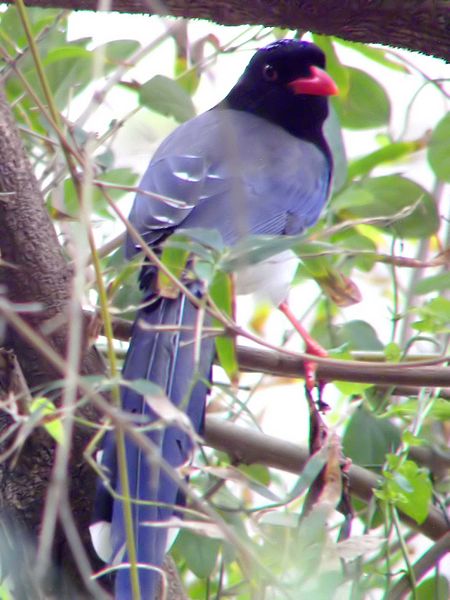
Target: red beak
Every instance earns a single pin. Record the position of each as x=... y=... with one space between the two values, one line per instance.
x=319 y=83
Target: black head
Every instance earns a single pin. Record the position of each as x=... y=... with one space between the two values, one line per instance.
x=286 y=84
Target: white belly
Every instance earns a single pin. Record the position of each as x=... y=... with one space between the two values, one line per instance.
x=270 y=279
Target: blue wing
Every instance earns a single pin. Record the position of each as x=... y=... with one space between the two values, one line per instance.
x=225 y=170
x=234 y=172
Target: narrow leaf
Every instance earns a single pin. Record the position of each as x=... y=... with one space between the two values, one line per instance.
x=173 y=257
x=439 y=149
x=221 y=292
x=48 y=413
x=378 y=55
x=435 y=283
x=389 y=153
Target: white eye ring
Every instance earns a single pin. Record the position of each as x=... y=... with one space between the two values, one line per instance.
x=270 y=73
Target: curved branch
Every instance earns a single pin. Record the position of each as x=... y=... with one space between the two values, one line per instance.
x=422 y=26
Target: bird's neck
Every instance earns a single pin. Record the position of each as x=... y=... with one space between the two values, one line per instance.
x=310 y=132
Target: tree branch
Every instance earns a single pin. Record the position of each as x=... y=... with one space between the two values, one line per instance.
x=402 y=374
x=247 y=446
x=422 y=26
x=406 y=378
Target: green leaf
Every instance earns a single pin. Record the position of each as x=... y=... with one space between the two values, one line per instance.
x=387 y=197
x=358 y=335
x=333 y=133
x=200 y=553
x=354 y=239
x=434 y=283
x=367 y=439
x=116 y=52
x=366 y=104
x=69 y=71
x=390 y=152
x=221 y=292
x=393 y=352
x=186 y=77
x=351 y=198
x=435 y=316
x=66 y=52
x=410 y=439
x=259 y=473
x=11 y=29
x=209 y=238
x=440 y=410
x=46 y=410
x=410 y=489
x=309 y=473
x=439 y=149
x=436 y=587
x=378 y=55
x=250 y=478
x=116 y=177
x=204 y=271
x=167 y=97
x=123 y=287
x=351 y=388
x=174 y=257
x=5 y=592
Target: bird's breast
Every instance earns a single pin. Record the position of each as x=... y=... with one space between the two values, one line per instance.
x=270 y=279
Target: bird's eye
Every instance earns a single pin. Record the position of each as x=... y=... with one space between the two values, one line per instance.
x=270 y=73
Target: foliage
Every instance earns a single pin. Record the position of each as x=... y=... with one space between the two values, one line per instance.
x=376 y=211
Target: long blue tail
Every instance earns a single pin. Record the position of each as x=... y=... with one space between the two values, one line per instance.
x=167 y=359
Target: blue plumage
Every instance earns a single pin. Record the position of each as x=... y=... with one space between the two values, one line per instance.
x=255 y=164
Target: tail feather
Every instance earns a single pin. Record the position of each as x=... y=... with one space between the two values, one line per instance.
x=168 y=360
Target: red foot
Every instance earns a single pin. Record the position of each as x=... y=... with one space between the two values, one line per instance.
x=312 y=347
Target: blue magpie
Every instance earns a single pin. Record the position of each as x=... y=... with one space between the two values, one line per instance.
x=255 y=164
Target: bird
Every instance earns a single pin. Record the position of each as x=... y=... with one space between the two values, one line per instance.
x=255 y=164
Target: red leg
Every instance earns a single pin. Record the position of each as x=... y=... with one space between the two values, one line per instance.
x=312 y=347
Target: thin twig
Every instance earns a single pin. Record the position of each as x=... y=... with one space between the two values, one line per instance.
x=426 y=562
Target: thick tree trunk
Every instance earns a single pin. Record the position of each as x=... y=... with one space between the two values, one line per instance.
x=422 y=25
x=34 y=270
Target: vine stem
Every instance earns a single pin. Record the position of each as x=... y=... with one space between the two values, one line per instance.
x=120 y=435
x=404 y=550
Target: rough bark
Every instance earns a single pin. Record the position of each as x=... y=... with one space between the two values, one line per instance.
x=422 y=25
x=34 y=270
